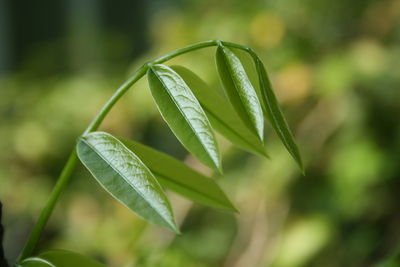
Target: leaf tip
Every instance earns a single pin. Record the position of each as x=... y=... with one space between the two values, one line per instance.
x=172 y=225
x=302 y=169
x=229 y=207
x=234 y=209
x=299 y=161
x=265 y=154
x=300 y=164
x=259 y=129
x=216 y=165
x=219 y=169
x=177 y=230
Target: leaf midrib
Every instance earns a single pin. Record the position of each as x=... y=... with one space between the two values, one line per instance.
x=183 y=114
x=238 y=89
x=119 y=173
x=37 y=259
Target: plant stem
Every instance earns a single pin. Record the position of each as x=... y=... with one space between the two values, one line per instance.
x=47 y=210
x=72 y=160
x=136 y=76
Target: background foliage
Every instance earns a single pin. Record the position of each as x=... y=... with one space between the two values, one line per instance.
x=334 y=66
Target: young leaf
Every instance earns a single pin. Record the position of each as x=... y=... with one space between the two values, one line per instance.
x=184 y=115
x=125 y=177
x=178 y=177
x=239 y=90
x=63 y=258
x=222 y=116
x=275 y=115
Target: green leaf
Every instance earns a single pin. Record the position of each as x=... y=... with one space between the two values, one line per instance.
x=63 y=258
x=221 y=114
x=184 y=115
x=124 y=176
x=239 y=90
x=275 y=115
x=178 y=177
x=35 y=262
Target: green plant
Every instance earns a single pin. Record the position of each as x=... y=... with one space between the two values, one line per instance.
x=134 y=174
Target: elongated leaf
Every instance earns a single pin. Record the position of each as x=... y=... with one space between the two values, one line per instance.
x=275 y=115
x=63 y=258
x=239 y=90
x=178 y=177
x=125 y=177
x=222 y=116
x=184 y=115
x=35 y=262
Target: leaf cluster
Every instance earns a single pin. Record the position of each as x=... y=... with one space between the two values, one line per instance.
x=136 y=175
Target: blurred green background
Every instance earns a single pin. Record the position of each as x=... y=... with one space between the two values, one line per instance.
x=334 y=66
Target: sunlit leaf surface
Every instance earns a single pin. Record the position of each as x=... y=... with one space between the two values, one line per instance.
x=222 y=116
x=124 y=176
x=184 y=114
x=178 y=177
x=239 y=90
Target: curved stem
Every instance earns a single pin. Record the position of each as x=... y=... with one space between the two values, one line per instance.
x=95 y=123
x=241 y=47
x=136 y=76
x=98 y=119
x=184 y=50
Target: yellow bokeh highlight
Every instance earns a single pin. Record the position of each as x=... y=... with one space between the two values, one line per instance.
x=267 y=30
x=293 y=83
x=303 y=239
x=369 y=57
